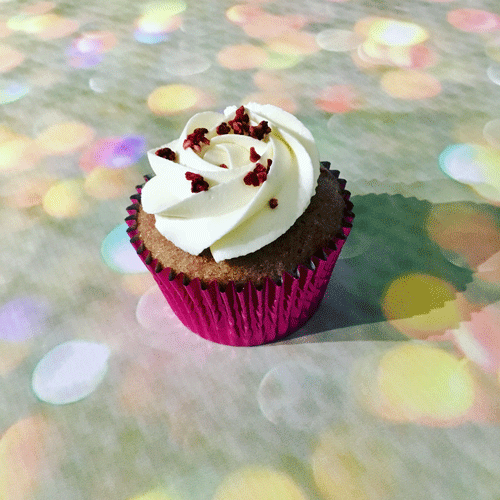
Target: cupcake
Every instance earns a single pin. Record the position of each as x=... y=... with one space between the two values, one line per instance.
x=241 y=225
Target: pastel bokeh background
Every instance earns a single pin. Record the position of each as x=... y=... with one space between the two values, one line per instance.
x=391 y=391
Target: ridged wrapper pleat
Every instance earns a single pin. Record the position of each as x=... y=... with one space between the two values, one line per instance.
x=247 y=315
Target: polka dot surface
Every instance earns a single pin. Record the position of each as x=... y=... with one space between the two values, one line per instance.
x=18 y=153
x=241 y=57
x=479 y=338
x=492 y=47
x=395 y=33
x=422 y=306
x=70 y=372
x=184 y=63
x=341 y=467
x=410 y=84
x=475 y=165
x=491 y=132
x=294 y=43
x=156 y=494
x=173 y=99
x=119 y=254
x=105 y=183
x=493 y=72
x=339 y=99
x=458 y=227
x=65 y=137
x=9 y=58
x=258 y=483
x=402 y=98
x=474 y=20
x=23 y=457
x=65 y=199
x=150 y=38
x=277 y=61
x=49 y=26
x=23 y=318
x=162 y=9
x=39 y=8
x=12 y=90
x=337 y=40
x=291 y=395
x=421 y=380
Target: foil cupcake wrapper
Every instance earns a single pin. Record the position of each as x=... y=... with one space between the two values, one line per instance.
x=246 y=315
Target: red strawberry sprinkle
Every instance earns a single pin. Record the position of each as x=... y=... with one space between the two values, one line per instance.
x=241 y=122
x=259 y=131
x=257 y=176
x=191 y=176
x=259 y=168
x=223 y=129
x=251 y=179
x=196 y=139
x=166 y=153
x=254 y=156
x=273 y=202
x=198 y=184
x=240 y=128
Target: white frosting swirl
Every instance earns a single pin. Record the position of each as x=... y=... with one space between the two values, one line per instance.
x=231 y=217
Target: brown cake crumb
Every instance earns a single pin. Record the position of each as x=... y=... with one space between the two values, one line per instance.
x=273 y=202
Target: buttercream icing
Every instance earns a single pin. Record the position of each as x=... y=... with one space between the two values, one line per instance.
x=228 y=189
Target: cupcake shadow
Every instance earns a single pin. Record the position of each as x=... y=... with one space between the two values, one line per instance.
x=388 y=239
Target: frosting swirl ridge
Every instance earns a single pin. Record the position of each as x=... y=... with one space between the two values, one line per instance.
x=232 y=182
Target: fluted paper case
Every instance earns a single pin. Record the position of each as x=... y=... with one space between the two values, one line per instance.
x=247 y=315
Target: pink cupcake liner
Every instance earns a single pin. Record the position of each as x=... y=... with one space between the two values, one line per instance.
x=246 y=315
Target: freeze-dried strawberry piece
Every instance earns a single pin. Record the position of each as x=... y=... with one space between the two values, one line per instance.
x=196 y=139
x=254 y=156
x=223 y=129
x=198 y=183
x=273 y=202
x=251 y=179
x=260 y=131
x=166 y=153
x=257 y=176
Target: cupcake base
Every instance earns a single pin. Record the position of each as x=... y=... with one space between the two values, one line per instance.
x=247 y=315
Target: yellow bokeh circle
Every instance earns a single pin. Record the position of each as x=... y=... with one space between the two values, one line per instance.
x=348 y=465
x=155 y=494
x=396 y=33
x=420 y=305
x=421 y=381
x=65 y=199
x=410 y=84
x=105 y=183
x=18 y=153
x=258 y=483
x=164 y=9
x=294 y=43
x=63 y=138
x=241 y=57
x=414 y=294
x=173 y=99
